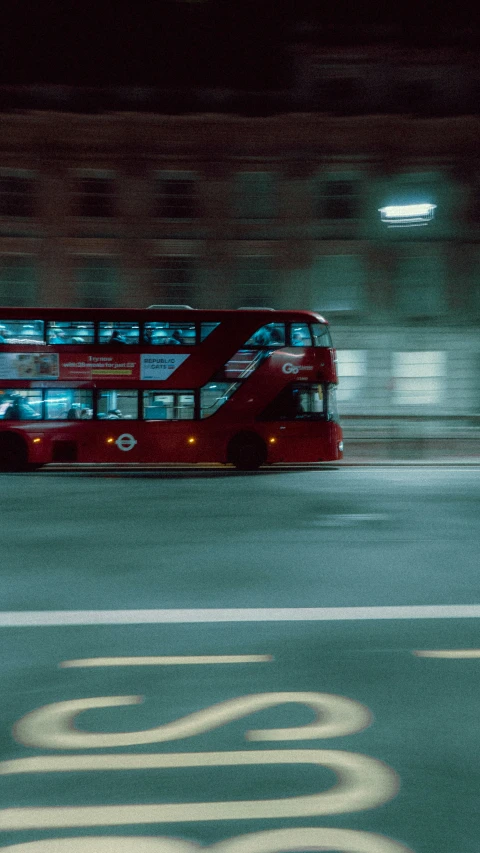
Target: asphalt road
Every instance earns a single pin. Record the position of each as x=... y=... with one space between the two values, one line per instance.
x=192 y=660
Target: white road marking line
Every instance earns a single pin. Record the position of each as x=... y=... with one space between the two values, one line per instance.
x=170 y=660
x=50 y=618
x=448 y=653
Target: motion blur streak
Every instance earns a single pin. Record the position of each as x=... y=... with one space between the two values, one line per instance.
x=448 y=653
x=169 y=660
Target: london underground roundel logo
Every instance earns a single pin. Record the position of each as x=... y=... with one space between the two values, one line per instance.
x=125 y=441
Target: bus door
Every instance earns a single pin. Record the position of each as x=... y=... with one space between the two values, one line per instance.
x=168 y=418
x=299 y=420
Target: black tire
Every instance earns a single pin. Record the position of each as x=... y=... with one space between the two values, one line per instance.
x=247 y=452
x=14 y=453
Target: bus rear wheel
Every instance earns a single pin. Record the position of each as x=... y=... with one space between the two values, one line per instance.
x=247 y=452
x=14 y=453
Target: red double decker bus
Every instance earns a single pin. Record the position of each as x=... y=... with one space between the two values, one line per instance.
x=166 y=384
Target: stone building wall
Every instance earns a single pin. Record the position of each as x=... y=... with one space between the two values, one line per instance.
x=126 y=209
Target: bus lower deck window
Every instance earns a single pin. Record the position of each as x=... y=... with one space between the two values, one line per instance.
x=117 y=404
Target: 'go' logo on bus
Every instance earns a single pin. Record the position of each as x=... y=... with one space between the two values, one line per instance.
x=288 y=367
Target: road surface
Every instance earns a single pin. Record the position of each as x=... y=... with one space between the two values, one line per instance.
x=204 y=660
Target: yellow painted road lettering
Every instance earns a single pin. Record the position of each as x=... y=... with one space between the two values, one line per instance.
x=362 y=783
x=52 y=726
x=271 y=841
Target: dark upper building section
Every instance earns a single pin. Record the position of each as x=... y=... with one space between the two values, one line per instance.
x=361 y=80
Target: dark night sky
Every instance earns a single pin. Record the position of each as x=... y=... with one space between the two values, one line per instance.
x=229 y=43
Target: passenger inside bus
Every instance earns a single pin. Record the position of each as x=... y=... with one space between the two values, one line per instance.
x=273 y=334
x=117 y=338
x=19 y=410
x=57 y=337
x=300 y=334
x=175 y=337
x=73 y=413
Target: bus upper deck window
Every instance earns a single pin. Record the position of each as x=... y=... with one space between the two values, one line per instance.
x=321 y=335
x=271 y=335
x=22 y=332
x=300 y=335
x=118 y=333
x=75 y=332
x=169 y=334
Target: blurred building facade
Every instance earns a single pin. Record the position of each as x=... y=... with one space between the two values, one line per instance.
x=119 y=205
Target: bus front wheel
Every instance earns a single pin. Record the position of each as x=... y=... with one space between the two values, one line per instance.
x=247 y=452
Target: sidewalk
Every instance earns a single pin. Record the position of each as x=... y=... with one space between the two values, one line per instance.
x=420 y=463
x=377 y=451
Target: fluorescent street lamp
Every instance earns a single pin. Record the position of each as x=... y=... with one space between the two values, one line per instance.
x=398 y=215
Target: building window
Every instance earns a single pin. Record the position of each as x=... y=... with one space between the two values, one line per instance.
x=94 y=196
x=175 y=197
x=16 y=195
x=254 y=195
x=419 y=378
x=420 y=286
x=174 y=280
x=97 y=283
x=18 y=281
x=254 y=285
x=352 y=374
x=337 y=199
x=338 y=283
